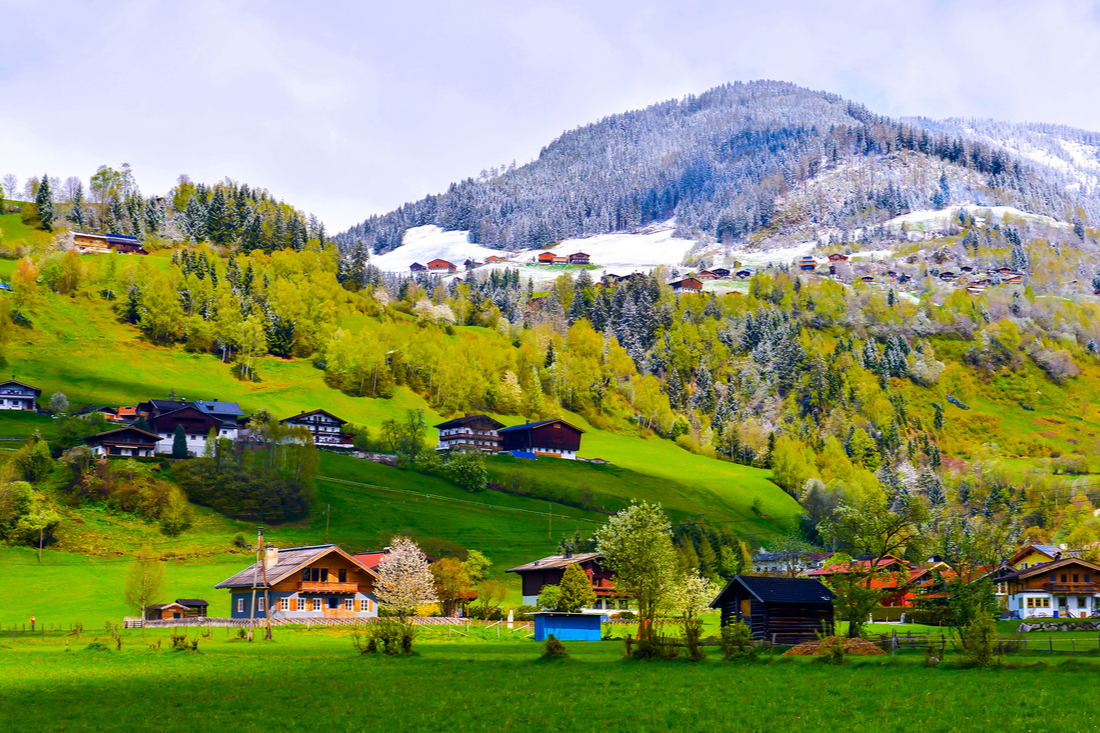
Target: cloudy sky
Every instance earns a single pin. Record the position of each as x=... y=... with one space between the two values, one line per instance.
x=346 y=109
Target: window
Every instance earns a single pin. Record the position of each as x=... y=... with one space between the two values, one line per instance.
x=1053 y=578
x=240 y=605
x=316 y=604
x=1064 y=577
x=342 y=574
x=284 y=604
x=349 y=604
x=324 y=575
x=1082 y=602
x=1046 y=602
x=259 y=604
x=1075 y=576
x=303 y=604
x=1031 y=602
x=364 y=605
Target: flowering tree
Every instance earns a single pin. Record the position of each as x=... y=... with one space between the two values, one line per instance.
x=406 y=578
x=636 y=545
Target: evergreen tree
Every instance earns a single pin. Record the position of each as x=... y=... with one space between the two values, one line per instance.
x=76 y=213
x=179 y=443
x=43 y=201
x=575 y=590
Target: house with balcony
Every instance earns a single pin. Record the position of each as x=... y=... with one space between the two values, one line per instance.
x=326 y=428
x=320 y=581
x=128 y=441
x=1066 y=588
x=470 y=433
x=549 y=571
x=18 y=396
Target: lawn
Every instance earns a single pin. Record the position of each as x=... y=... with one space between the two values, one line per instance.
x=485 y=684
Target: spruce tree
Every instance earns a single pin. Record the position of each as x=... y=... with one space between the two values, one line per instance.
x=76 y=214
x=179 y=443
x=575 y=590
x=43 y=201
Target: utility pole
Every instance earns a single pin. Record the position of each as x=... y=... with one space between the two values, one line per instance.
x=267 y=600
x=549 y=521
x=328 y=514
x=41 y=530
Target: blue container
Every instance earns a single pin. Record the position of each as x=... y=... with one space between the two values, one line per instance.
x=567 y=626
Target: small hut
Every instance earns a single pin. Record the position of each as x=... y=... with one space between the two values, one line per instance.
x=786 y=610
x=567 y=626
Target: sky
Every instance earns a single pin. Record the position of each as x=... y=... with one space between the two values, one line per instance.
x=348 y=109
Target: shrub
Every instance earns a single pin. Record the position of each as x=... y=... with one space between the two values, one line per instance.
x=737 y=641
x=553 y=649
x=389 y=637
x=180 y=643
x=979 y=640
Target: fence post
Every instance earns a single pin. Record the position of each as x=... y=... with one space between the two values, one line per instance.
x=1072 y=646
x=1051 y=643
x=773 y=648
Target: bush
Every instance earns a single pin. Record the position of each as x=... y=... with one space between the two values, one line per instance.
x=553 y=649
x=180 y=643
x=523 y=613
x=979 y=640
x=737 y=642
x=388 y=637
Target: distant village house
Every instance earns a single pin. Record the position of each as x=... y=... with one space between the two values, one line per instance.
x=18 y=396
x=470 y=433
x=550 y=438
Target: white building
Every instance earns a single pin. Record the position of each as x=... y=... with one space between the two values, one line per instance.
x=18 y=396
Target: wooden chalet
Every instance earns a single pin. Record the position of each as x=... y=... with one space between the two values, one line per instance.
x=1013 y=280
x=967 y=268
x=1031 y=555
x=721 y=272
x=705 y=275
x=128 y=441
x=1066 y=588
x=18 y=396
x=578 y=258
x=1004 y=271
x=867 y=279
x=417 y=267
x=545 y=258
x=104 y=243
x=109 y=412
x=742 y=274
x=837 y=257
x=807 y=263
x=687 y=285
x=892 y=576
x=326 y=428
x=785 y=610
x=493 y=258
x=438 y=265
x=469 y=434
x=549 y=571
x=321 y=581
x=560 y=260
x=179 y=608
x=196 y=426
x=948 y=275
x=552 y=438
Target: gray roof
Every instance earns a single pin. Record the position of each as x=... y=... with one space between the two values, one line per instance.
x=554 y=562
x=223 y=410
x=290 y=560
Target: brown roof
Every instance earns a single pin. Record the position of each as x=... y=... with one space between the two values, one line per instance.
x=290 y=561
x=1046 y=567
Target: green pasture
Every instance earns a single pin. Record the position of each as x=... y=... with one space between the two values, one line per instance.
x=317 y=680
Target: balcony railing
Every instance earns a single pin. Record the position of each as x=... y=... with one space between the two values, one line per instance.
x=1071 y=587
x=306 y=586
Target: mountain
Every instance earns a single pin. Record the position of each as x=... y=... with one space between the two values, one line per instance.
x=764 y=162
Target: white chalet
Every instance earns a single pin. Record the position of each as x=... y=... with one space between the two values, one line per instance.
x=18 y=396
x=327 y=429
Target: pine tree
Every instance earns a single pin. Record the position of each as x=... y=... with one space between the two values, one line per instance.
x=179 y=443
x=43 y=201
x=76 y=214
x=575 y=590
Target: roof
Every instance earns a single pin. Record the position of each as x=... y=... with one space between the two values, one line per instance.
x=858 y=566
x=36 y=390
x=460 y=421
x=780 y=590
x=290 y=560
x=191 y=602
x=1046 y=567
x=523 y=454
x=314 y=412
x=220 y=409
x=554 y=562
x=170 y=405
x=540 y=423
x=99 y=437
x=1051 y=551
x=101 y=408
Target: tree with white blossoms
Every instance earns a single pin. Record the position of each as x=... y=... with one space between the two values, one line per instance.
x=58 y=403
x=405 y=580
x=690 y=598
x=636 y=545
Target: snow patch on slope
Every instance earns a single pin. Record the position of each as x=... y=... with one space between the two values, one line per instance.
x=426 y=243
x=647 y=248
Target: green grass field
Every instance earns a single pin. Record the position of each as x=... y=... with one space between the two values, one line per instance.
x=314 y=680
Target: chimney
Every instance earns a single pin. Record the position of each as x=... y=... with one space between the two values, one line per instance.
x=271 y=557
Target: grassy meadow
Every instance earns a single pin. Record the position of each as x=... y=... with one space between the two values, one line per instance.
x=316 y=679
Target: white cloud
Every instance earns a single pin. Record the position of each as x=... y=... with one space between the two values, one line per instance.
x=348 y=109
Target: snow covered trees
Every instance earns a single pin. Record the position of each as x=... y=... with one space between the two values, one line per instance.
x=43 y=201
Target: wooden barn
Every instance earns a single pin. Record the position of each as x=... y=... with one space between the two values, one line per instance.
x=786 y=610
x=553 y=438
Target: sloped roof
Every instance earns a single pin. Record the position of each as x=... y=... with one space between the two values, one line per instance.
x=99 y=437
x=290 y=561
x=36 y=390
x=461 y=421
x=313 y=412
x=779 y=590
x=554 y=562
x=1046 y=567
x=539 y=423
x=191 y=602
x=220 y=409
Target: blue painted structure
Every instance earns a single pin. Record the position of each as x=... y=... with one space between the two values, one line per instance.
x=567 y=626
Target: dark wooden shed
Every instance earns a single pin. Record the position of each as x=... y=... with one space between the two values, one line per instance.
x=788 y=610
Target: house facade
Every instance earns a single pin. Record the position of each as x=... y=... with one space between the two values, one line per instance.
x=321 y=581
x=104 y=243
x=578 y=258
x=180 y=608
x=326 y=428
x=1031 y=555
x=1061 y=588
x=196 y=426
x=788 y=610
x=787 y=563
x=687 y=285
x=549 y=438
x=18 y=396
x=549 y=571
x=470 y=433
x=438 y=265
x=128 y=441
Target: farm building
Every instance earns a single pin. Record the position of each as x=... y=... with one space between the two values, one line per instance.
x=552 y=438
x=838 y=257
x=549 y=571
x=417 y=267
x=788 y=610
x=546 y=258
x=470 y=433
x=687 y=285
x=180 y=608
x=560 y=260
x=104 y=243
x=128 y=441
x=18 y=396
x=578 y=258
x=321 y=581
x=721 y=272
x=567 y=626
x=705 y=275
x=438 y=265
x=327 y=429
